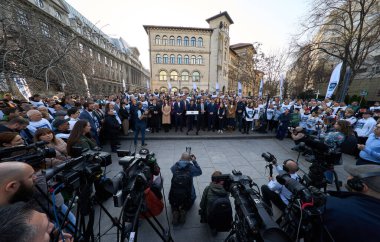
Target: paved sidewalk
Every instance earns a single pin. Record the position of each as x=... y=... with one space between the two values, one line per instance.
x=224 y=155
x=172 y=135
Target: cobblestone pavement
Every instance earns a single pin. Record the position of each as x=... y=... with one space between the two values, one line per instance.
x=224 y=155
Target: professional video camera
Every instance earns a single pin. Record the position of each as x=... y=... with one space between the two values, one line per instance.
x=302 y=217
x=33 y=154
x=252 y=222
x=325 y=158
x=137 y=173
x=78 y=176
x=128 y=187
x=271 y=159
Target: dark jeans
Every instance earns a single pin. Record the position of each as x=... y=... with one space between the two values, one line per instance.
x=178 y=121
x=211 y=122
x=271 y=196
x=361 y=161
x=247 y=126
x=239 y=119
x=140 y=126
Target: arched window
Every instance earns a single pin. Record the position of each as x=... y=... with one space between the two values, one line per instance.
x=199 y=60
x=179 y=59
x=193 y=59
x=185 y=76
x=171 y=40
x=163 y=76
x=166 y=59
x=196 y=76
x=157 y=40
x=179 y=40
x=164 y=40
x=186 y=41
x=186 y=60
x=158 y=59
x=172 y=59
x=200 y=42
x=193 y=41
x=173 y=76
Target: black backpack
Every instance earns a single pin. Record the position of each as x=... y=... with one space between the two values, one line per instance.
x=180 y=189
x=219 y=215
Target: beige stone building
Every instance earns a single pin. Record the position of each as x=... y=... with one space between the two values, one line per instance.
x=189 y=57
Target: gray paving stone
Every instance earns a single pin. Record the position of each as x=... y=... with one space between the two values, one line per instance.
x=224 y=155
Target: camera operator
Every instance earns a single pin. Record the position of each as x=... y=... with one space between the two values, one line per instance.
x=298 y=135
x=213 y=192
x=277 y=193
x=182 y=192
x=355 y=215
x=20 y=222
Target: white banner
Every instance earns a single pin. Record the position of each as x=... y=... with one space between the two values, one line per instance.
x=169 y=85
x=281 y=85
x=261 y=88
x=23 y=87
x=217 y=87
x=334 y=80
x=240 y=90
x=147 y=84
x=194 y=86
x=124 y=86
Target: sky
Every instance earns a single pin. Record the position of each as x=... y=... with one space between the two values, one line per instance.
x=270 y=22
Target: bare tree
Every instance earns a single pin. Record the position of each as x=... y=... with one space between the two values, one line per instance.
x=50 y=54
x=273 y=65
x=344 y=30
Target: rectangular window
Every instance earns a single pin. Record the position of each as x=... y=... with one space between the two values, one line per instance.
x=99 y=57
x=105 y=60
x=90 y=50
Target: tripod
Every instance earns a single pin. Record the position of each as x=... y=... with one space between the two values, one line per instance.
x=131 y=211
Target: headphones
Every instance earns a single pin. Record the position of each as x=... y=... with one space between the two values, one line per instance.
x=356 y=183
x=286 y=168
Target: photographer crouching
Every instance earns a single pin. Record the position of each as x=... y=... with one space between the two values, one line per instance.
x=274 y=192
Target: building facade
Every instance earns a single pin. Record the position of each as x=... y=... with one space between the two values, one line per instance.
x=187 y=58
x=70 y=54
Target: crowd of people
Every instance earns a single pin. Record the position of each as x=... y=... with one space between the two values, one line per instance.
x=66 y=123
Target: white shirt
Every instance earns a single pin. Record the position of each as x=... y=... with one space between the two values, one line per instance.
x=43 y=123
x=249 y=114
x=364 y=127
x=285 y=194
x=72 y=123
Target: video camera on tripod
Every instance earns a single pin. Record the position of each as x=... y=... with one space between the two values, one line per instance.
x=128 y=188
x=252 y=222
x=33 y=154
x=302 y=217
x=325 y=158
x=271 y=159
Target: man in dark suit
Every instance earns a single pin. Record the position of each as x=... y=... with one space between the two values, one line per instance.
x=202 y=108
x=88 y=108
x=211 y=110
x=179 y=108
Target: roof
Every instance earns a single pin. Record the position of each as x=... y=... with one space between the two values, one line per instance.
x=220 y=15
x=243 y=45
x=146 y=27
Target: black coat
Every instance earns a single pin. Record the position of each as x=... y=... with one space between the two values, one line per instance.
x=111 y=127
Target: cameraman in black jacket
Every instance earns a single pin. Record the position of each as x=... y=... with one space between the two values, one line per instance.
x=355 y=215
